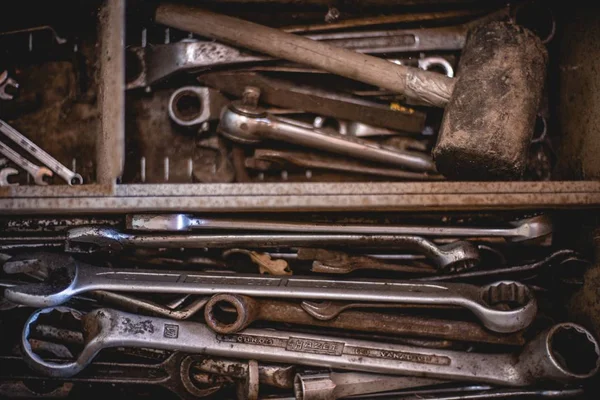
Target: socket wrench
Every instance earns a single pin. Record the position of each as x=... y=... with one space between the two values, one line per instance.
x=518 y=231
x=52 y=163
x=564 y=353
x=229 y=313
x=68 y=277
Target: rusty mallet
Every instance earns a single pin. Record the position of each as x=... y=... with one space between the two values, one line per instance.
x=490 y=108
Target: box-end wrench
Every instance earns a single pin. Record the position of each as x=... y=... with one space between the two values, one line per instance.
x=52 y=163
x=518 y=231
x=564 y=353
x=38 y=173
x=454 y=256
x=68 y=277
x=228 y=313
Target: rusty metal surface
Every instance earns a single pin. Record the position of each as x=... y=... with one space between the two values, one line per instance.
x=247 y=310
x=281 y=197
x=110 y=143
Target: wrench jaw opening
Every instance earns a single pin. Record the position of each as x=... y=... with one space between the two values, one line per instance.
x=60 y=279
x=566 y=353
x=52 y=369
x=219 y=319
x=41 y=174
x=521 y=303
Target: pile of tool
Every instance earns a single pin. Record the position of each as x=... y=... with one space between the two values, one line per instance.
x=446 y=310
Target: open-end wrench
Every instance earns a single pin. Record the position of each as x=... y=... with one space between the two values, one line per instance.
x=7 y=82
x=5 y=173
x=38 y=173
x=518 y=231
x=454 y=256
x=176 y=374
x=68 y=277
x=245 y=310
x=69 y=176
x=564 y=353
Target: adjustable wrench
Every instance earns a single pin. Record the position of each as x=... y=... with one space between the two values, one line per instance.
x=38 y=173
x=37 y=152
x=518 y=231
x=68 y=277
x=549 y=356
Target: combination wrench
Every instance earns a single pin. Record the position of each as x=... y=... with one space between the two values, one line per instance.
x=563 y=353
x=454 y=256
x=68 y=277
x=52 y=163
x=522 y=230
x=38 y=173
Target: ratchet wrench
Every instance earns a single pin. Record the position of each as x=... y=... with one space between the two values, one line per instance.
x=68 y=277
x=38 y=173
x=546 y=357
x=37 y=152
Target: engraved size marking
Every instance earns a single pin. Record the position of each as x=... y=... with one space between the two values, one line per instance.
x=250 y=339
x=303 y=345
x=171 y=331
x=399 y=355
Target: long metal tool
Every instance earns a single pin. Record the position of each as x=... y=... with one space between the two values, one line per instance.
x=517 y=231
x=249 y=124
x=549 y=356
x=246 y=310
x=457 y=255
x=334 y=385
x=69 y=176
x=68 y=277
x=38 y=173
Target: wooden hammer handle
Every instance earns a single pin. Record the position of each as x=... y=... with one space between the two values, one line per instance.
x=426 y=87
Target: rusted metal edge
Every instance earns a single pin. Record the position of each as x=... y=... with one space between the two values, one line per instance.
x=110 y=144
x=293 y=197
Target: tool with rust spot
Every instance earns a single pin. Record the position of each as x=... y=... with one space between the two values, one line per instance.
x=550 y=356
x=492 y=104
x=229 y=313
x=68 y=277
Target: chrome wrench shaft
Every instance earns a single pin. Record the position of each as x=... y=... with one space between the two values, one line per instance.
x=69 y=176
x=68 y=277
x=38 y=173
x=544 y=358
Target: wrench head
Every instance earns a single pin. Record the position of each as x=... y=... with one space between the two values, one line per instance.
x=42 y=173
x=5 y=173
x=58 y=270
x=458 y=256
x=533 y=228
x=86 y=239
